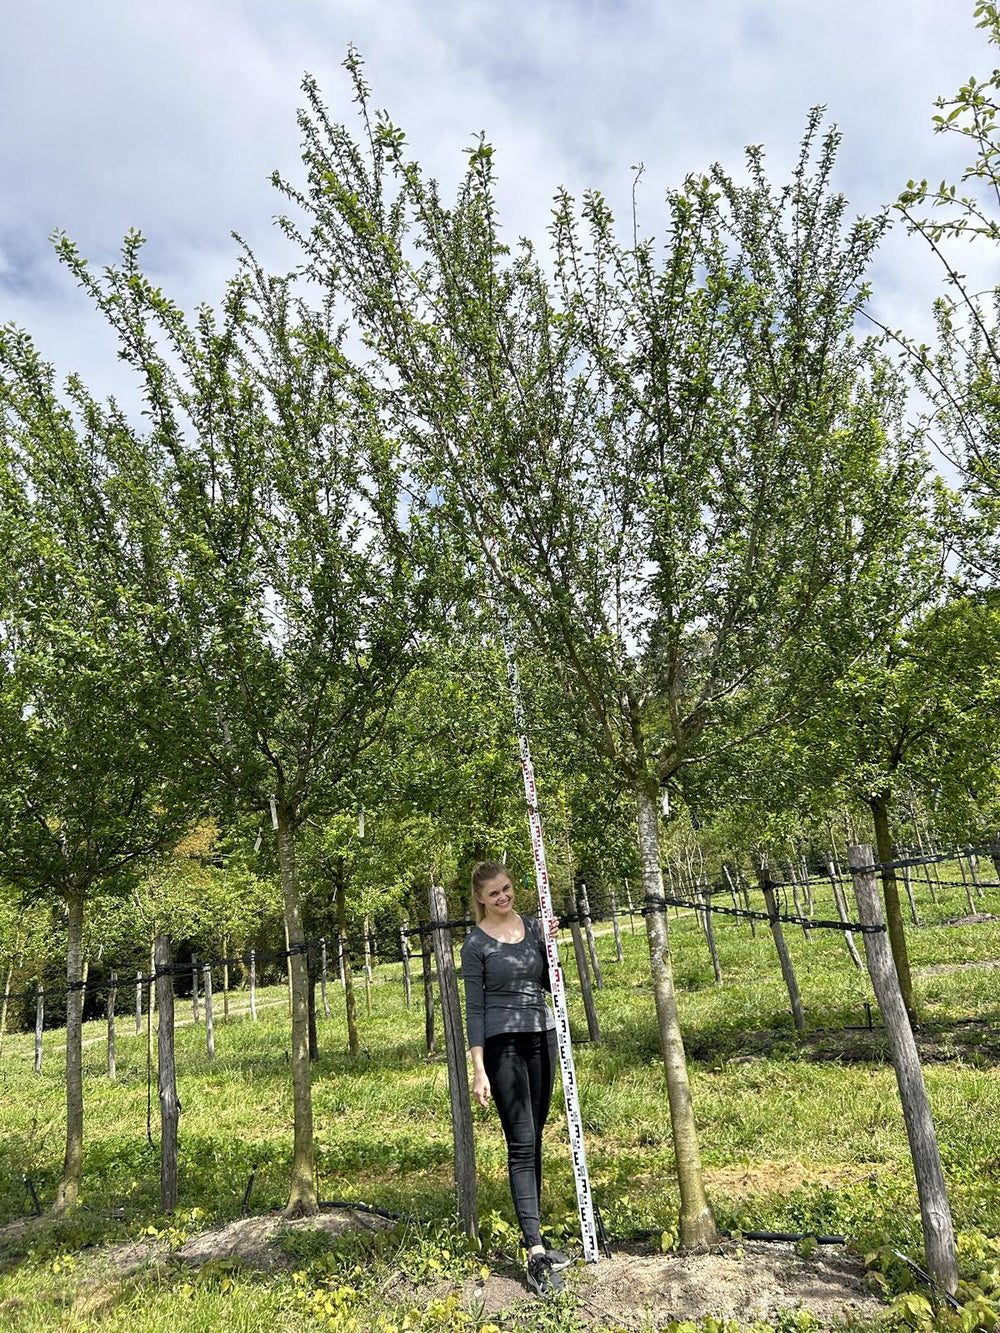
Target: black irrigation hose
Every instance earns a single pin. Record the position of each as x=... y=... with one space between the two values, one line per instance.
x=647 y=1233
x=375 y=1211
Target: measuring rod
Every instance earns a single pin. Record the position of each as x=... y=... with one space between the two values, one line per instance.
x=578 y=1151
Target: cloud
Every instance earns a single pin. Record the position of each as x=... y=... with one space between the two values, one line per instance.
x=170 y=118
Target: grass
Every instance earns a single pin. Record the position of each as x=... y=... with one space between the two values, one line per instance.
x=796 y=1135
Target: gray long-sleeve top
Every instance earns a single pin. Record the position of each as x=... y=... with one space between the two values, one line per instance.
x=505 y=984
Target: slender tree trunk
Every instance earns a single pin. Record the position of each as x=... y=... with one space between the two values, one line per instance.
x=616 y=928
x=14 y=958
x=225 y=978
x=166 y=1072
x=209 y=1015
x=302 y=1200
x=705 y=904
x=935 y=1211
x=879 y=806
x=404 y=953
x=313 y=1035
x=347 y=975
x=68 y=1193
x=39 y=1025
x=583 y=898
x=841 y=903
x=697 y=1225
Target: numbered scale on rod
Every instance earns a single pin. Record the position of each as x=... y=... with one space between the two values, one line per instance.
x=584 y=1198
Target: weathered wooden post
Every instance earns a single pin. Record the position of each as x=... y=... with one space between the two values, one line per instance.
x=404 y=953
x=194 y=989
x=583 y=972
x=616 y=928
x=458 y=1078
x=112 y=992
x=784 y=957
x=965 y=885
x=706 y=907
x=425 y=956
x=341 y=970
x=841 y=903
x=166 y=1074
x=935 y=1211
x=908 y=886
x=583 y=898
x=631 y=909
x=974 y=871
x=322 y=977
x=138 y=1003
x=209 y=1019
x=39 y=1023
x=347 y=977
x=995 y=856
x=253 y=984
x=798 y=902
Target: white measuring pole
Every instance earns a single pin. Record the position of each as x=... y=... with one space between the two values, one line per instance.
x=584 y=1198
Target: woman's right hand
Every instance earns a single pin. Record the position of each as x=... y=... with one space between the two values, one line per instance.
x=481 y=1088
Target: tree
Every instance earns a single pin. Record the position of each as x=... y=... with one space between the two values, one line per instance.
x=296 y=560
x=672 y=456
x=94 y=778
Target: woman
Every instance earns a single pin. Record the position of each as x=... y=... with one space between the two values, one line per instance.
x=513 y=1043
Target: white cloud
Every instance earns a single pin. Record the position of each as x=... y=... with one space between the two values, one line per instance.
x=170 y=117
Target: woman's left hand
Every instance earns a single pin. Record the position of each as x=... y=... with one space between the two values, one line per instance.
x=553 y=927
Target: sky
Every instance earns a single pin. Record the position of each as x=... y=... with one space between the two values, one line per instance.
x=171 y=117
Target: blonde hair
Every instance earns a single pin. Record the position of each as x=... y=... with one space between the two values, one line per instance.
x=482 y=873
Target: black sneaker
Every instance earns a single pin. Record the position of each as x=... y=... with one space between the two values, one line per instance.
x=557 y=1258
x=542 y=1277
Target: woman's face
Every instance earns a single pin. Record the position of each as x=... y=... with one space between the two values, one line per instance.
x=497 y=895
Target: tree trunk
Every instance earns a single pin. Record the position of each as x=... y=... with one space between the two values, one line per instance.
x=302 y=1200
x=935 y=1212
x=697 y=1225
x=6 y=988
x=68 y=1193
x=225 y=978
x=706 y=907
x=583 y=898
x=347 y=975
x=323 y=977
x=39 y=1025
x=879 y=806
x=166 y=1073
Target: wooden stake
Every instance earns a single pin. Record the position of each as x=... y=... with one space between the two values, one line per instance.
x=209 y=1022
x=194 y=989
x=841 y=902
x=710 y=935
x=784 y=957
x=935 y=1211
x=322 y=977
x=113 y=990
x=166 y=1075
x=39 y=1023
x=253 y=984
x=631 y=909
x=425 y=953
x=616 y=928
x=583 y=972
x=458 y=1078
x=138 y=1003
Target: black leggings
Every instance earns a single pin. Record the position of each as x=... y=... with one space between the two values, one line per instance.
x=521 y=1068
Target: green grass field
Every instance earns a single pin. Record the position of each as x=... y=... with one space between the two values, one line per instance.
x=797 y=1135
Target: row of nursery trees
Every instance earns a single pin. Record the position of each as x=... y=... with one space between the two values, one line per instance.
x=257 y=606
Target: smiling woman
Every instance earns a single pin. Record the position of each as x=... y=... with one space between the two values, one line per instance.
x=513 y=1043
